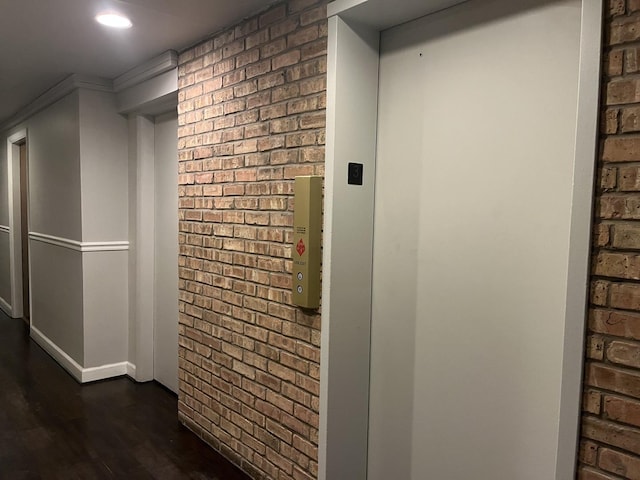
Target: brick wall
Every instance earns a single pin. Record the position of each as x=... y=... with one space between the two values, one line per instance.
x=251 y=118
x=610 y=443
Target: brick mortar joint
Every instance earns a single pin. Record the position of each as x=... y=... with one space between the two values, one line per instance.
x=197 y=58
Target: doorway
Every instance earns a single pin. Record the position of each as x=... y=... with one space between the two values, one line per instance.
x=24 y=230
x=474 y=171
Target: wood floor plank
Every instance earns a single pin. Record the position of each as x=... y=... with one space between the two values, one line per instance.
x=51 y=427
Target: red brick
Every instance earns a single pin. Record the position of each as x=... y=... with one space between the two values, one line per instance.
x=315 y=49
x=626 y=236
x=625 y=296
x=630 y=179
x=302 y=36
x=619 y=207
x=624 y=30
x=595 y=347
x=318 y=14
x=590 y=474
x=599 y=293
x=631 y=64
x=602 y=235
x=626 y=438
x=622 y=410
x=236 y=146
x=624 y=353
x=619 y=463
x=614 y=62
x=630 y=120
x=291 y=24
x=622 y=381
x=592 y=402
x=617 y=265
x=621 y=149
x=273 y=15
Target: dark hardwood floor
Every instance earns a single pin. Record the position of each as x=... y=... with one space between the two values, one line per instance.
x=51 y=427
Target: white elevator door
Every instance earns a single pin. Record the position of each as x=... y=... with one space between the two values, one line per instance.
x=476 y=140
x=165 y=349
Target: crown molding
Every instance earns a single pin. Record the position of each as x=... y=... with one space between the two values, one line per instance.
x=60 y=90
x=150 y=69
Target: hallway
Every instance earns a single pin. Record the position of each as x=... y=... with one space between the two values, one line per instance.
x=51 y=427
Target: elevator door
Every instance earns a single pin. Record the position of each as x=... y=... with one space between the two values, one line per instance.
x=477 y=121
x=166 y=251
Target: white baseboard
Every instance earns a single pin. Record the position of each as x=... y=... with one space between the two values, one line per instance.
x=131 y=370
x=68 y=363
x=81 y=374
x=5 y=307
x=104 y=371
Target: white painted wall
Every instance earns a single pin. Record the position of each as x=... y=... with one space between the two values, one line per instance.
x=475 y=170
x=5 y=270
x=78 y=176
x=4 y=184
x=5 y=274
x=106 y=307
x=93 y=300
x=104 y=167
x=56 y=297
x=54 y=209
x=166 y=251
x=54 y=169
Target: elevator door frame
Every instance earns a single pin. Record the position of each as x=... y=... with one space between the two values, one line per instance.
x=352 y=92
x=15 y=310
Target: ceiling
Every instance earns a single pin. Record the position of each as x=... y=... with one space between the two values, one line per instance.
x=44 y=41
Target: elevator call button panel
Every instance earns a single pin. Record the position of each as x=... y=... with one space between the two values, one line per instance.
x=307 y=237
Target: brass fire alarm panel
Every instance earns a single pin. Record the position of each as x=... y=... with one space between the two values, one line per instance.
x=307 y=235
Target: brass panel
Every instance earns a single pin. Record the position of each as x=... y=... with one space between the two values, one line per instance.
x=307 y=235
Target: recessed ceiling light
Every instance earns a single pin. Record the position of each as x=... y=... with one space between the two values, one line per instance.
x=114 y=20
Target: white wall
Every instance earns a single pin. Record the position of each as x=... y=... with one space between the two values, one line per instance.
x=104 y=173
x=56 y=297
x=54 y=170
x=5 y=274
x=4 y=185
x=476 y=151
x=54 y=210
x=78 y=176
x=106 y=309
x=92 y=298
x=104 y=166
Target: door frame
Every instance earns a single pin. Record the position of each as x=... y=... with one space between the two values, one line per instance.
x=352 y=83
x=173 y=113
x=15 y=244
x=141 y=93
